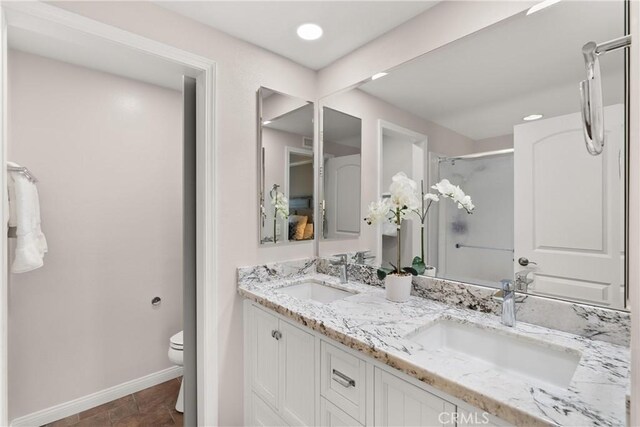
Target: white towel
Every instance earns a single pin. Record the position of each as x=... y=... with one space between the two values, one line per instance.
x=24 y=214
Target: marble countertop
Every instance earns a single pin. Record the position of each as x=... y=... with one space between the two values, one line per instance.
x=378 y=328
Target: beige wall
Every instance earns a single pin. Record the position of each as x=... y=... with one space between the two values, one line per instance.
x=108 y=154
x=502 y=142
x=241 y=69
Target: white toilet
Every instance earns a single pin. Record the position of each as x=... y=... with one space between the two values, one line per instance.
x=175 y=356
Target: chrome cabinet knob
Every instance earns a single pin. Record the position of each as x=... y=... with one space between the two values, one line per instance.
x=276 y=334
x=525 y=262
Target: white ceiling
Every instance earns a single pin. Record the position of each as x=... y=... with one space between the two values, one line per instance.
x=298 y=121
x=272 y=24
x=482 y=85
x=58 y=42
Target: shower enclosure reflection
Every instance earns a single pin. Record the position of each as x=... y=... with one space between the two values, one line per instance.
x=476 y=248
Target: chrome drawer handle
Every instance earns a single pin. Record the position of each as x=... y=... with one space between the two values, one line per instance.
x=343 y=380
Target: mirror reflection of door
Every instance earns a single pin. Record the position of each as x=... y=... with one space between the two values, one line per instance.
x=569 y=220
x=342 y=144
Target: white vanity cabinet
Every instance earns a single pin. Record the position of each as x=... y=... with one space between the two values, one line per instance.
x=282 y=375
x=399 y=403
x=298 y=377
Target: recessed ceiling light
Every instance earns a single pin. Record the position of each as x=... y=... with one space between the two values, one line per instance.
x=266 y=122
x=542 y=5
x=532 y=117
x=309 y=31
x=377 y=76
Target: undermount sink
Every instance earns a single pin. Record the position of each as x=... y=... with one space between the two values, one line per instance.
x=502 y=352
x=315 y=291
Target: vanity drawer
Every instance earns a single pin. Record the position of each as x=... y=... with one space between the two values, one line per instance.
x=332 y=416
x=343 y=381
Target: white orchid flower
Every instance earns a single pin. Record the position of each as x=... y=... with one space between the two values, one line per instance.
x=404 y=192
x=444 y=187
x=378 y=211
x=281 y=204
x=431 y=197
x=466 y=203
x=455 y=193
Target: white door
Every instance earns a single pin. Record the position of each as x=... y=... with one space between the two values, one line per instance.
x=264 y=362
x=399 y=404
x=568 y=208
x=342 y=196
x=297 y=375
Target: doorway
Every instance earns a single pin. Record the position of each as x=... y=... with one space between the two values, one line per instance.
x=112 y=51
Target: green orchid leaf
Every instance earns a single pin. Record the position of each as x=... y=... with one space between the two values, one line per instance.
x=395 y=268
x=383 y=271
x=410 y=270
x=418 y=265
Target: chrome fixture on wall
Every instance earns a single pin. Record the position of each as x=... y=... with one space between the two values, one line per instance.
x=591 y=92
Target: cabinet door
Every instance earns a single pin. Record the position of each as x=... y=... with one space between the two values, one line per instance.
x=332 y=416
x=264 y=354
x=297 y=376
x=399 y=403
x=263 y=415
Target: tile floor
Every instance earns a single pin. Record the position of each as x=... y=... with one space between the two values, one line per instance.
x=154 y=406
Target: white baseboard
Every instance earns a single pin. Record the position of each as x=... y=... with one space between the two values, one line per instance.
x=75 y=406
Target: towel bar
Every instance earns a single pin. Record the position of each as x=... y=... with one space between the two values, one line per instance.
x=24 y=171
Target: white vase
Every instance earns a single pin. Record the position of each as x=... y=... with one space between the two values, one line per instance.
x=397 y=288
x=430 y=271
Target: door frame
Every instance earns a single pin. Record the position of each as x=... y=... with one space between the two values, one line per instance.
x=287 y=163
x=419 y=139
x=206 y=259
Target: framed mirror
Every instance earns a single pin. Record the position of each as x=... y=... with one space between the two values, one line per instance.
x=286 y=176
x=503 y=125
x=341 y=174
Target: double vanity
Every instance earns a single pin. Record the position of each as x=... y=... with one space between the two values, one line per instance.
x=322 y=352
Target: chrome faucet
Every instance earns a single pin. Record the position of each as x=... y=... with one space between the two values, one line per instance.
x=508 y=303
x=522 y=281
x=342 y=263
x=361 y=257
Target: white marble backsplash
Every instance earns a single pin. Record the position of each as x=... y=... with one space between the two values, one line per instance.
x=277 y=270
x=598 y=323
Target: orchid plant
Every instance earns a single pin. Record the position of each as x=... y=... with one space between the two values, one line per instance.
x=404 y=198
x=280 y=205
